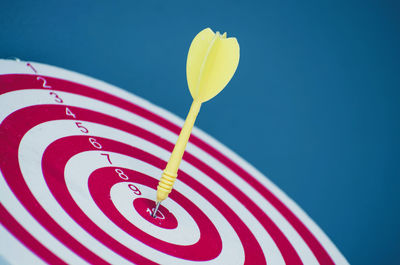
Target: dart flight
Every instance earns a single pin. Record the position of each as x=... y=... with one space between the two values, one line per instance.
x=212 y=61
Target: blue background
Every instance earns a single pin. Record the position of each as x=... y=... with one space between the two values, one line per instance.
x=314 y=103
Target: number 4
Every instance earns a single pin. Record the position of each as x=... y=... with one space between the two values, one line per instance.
x=68 y=112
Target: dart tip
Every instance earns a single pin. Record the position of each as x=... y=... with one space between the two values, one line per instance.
x=156 y=209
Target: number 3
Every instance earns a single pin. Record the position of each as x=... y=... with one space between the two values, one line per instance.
x=56 y=97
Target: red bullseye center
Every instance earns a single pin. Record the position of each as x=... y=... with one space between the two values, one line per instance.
x=164 y=218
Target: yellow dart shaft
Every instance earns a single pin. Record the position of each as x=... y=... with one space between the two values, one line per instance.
x=171 y=170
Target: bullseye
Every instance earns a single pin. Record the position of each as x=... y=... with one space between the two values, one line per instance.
x=79 y=172
x=164 y=218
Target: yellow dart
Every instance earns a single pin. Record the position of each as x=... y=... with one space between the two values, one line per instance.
x=212 y=61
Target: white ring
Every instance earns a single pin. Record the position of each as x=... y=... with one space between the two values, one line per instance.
x=20 y=99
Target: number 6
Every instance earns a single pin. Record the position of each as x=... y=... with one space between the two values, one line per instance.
x=94 y=143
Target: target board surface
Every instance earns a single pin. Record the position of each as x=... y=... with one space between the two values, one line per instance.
x=80 y=161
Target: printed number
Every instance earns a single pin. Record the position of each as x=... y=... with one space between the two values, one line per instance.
x=121 y=174
x=56 y=97
x=31 y=66
x=159 y=214
x=108 y=157
x=44 y=82
x=94 y=143
x=135 y=189
x=69 y=113
x=84 y=130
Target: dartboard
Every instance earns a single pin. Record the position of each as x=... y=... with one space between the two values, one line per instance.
x=80 y=162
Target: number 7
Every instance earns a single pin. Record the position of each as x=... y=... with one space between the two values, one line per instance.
x=108 y=157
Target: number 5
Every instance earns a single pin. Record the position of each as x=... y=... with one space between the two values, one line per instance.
x=80 y=126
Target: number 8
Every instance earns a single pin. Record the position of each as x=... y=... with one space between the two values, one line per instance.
x=121 y=174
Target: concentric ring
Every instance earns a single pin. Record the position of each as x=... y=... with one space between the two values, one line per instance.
x=275 y=236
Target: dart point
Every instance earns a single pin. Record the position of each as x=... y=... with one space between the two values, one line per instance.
x=154 y=215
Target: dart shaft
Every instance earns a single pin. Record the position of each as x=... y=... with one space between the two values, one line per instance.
x=171 y=170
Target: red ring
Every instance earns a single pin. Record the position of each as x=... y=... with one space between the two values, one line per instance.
x=73 y=145
x=14 y=82
x=22 y=120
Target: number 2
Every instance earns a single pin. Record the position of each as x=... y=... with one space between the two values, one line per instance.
x=44 y=82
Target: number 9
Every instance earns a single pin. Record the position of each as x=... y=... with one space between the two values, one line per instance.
x=135 y=189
